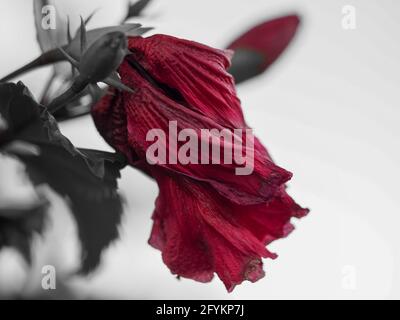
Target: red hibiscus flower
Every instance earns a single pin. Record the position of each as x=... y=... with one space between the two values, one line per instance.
x=207 y=219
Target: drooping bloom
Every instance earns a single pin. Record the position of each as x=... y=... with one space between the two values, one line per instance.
x=207 y=219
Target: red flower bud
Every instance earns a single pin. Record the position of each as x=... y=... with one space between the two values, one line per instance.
x=259 y=47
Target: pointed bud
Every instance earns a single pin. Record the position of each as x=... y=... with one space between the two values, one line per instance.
x=103 y=57
x=259 y=47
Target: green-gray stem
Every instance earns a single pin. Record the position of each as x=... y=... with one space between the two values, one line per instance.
x=59 y=102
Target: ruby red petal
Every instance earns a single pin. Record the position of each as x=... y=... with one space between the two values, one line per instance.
x=196 y=71
x=148 y=108
x=200 y=237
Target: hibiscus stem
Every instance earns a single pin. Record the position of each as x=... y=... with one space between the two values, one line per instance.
x=67 y=96
x=46 y=58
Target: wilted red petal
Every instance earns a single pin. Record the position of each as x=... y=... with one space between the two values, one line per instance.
x=198 y=240
x=200 y=233
x=270 y=221
x=149 y=108
x=196 y=71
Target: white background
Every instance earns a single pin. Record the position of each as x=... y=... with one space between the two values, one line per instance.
x=328 y=111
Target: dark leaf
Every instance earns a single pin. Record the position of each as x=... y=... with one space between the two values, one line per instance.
x=86 y=178
x=17 y=227
x=93 y=199
x=16 y=110
x=135 y=9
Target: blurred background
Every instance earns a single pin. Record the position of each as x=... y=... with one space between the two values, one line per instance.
x=327 y=110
